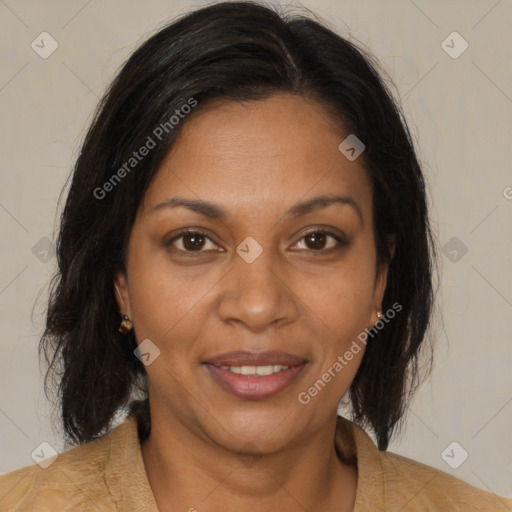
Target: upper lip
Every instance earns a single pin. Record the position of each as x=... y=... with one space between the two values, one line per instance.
x=249 y=358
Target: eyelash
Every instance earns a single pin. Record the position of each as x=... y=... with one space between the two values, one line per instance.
x=186 y=231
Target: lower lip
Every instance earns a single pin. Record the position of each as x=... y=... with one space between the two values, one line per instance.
x=253 y=387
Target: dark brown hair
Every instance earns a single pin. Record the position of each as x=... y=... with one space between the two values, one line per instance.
x=238 y=51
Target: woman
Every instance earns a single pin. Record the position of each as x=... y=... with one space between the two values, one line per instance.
x=245 y=241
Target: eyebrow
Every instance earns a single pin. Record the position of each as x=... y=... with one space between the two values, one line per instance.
x=298 y=209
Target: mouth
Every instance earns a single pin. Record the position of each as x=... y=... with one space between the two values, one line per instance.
x=255 y=375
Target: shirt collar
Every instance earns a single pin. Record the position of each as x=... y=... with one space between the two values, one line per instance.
x=358 y=446
x=126 y=475
x=129 y=487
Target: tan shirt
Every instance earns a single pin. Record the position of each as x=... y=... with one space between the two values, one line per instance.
x=108 y=475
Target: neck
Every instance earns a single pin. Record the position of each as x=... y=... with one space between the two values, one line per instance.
x=189 y=472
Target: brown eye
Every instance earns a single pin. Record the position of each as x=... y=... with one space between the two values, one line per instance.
x=317 y=240
x=191 y=241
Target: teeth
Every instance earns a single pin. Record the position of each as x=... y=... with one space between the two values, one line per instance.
x=255 y=370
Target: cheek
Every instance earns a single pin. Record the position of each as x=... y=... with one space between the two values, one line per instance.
x=171 y=306
x=170 y=302
x=159 y=299
x=343 y=301
x=163 y=311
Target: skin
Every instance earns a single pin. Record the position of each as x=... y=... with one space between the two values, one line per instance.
x=255 y=160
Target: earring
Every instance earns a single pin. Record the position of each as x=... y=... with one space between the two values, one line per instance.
x=379 y=313
x=126 y=325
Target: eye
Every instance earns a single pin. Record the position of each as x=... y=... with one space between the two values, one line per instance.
x=194 y=241
x=315 y=240
x=191 y=241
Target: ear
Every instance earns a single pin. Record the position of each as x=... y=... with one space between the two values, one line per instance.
x=122 y=294
x=382 y=278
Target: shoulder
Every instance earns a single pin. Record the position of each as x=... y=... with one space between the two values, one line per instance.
x=388 y=481
x=73 y=478
x=417 y=487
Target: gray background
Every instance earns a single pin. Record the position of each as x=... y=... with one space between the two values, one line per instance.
x=460 y=113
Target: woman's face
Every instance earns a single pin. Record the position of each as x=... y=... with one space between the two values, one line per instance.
x=259 y=278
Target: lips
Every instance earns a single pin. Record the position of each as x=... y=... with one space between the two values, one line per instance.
x=247 y=358
x=230 y=370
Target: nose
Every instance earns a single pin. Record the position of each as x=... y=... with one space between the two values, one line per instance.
x=259 y=294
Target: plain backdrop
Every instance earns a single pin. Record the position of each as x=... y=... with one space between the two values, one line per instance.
x=459 y=107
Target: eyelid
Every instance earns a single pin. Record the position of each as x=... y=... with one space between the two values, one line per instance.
x=338 y=235
x=188 y=231
x=340 y=238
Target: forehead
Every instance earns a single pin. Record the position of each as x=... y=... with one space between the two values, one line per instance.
x=264 y=153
